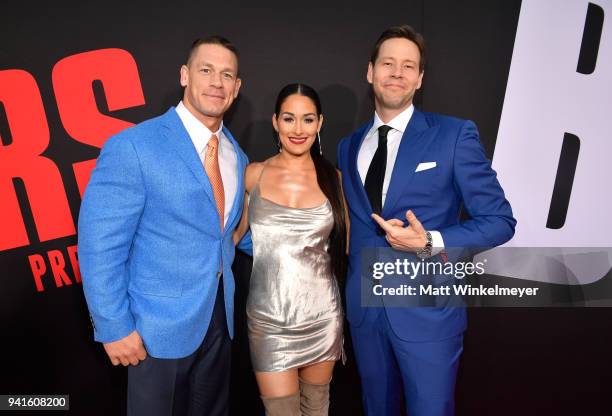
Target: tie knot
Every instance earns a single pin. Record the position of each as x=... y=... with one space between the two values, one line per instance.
x=382 y=133
x=213 y=143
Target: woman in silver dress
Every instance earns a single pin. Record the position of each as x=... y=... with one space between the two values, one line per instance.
x=296 y=214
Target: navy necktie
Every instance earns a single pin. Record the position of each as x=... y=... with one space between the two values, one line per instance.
x=376 y=172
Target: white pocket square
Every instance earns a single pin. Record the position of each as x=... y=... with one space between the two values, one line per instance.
x=425 y=166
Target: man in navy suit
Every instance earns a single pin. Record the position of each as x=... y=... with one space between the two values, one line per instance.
x=406 y=176
x=155 y=243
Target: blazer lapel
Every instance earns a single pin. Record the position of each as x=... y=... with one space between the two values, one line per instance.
x=415 y=141
x=240 y=166
x=179 y=139
x=355 y=144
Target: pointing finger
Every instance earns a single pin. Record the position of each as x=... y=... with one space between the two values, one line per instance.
x=383 y=224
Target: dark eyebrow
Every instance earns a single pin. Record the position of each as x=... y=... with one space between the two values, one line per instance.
x=293 y=115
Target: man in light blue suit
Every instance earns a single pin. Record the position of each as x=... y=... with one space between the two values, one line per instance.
x=420 y=168
x=156 y=248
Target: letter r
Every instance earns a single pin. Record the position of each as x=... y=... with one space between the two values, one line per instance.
x=21 y=157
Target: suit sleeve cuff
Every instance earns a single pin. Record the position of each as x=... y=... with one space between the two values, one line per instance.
x=106 y=330
x=437 y=243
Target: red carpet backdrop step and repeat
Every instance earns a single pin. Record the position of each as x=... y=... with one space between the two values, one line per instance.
x=536 y=77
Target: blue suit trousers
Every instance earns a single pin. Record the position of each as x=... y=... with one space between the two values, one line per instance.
x=424 y=372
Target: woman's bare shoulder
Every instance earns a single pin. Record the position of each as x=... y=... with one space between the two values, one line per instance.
x=253 y=168
x=252 y=172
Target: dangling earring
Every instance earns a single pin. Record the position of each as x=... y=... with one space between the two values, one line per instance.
x=320 y=148
x=280 y=148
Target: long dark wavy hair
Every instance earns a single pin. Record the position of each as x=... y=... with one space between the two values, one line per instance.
x=328 y=180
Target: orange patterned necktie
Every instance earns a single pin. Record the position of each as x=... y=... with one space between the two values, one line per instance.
x=211 y=165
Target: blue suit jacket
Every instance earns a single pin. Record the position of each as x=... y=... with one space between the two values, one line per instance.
x=150 y=241
x=463 y=177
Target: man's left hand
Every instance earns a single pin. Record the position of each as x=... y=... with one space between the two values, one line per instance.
x=410 y=238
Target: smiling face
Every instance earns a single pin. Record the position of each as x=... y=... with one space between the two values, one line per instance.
x=395 y=76
x=297 y=124
x=211 y=83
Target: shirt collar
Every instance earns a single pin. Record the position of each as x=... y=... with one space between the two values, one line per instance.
x=399 y=122
x=198 y=132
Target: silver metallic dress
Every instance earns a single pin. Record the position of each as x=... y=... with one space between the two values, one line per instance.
x=294 y=310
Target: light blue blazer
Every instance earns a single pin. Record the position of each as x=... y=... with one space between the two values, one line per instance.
x=150 y=241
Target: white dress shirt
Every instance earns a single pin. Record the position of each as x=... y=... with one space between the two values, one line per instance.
x=370 y=144
x=368 y=147
x=228 y=161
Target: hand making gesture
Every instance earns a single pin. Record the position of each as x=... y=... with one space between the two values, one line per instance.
x=410 y=238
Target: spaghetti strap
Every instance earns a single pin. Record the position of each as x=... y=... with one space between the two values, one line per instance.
x=261 y=173
x=257 y=187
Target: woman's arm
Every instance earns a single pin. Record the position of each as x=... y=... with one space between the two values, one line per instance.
x=252 y=172
x=243 y=225
x=346 y=214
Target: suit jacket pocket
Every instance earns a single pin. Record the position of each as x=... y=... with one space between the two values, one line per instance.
x=157 y=287
x=424 y=183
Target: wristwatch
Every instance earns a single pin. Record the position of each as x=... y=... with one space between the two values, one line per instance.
x=425 y=252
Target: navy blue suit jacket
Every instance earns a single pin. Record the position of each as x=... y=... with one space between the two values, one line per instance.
x=463 y=177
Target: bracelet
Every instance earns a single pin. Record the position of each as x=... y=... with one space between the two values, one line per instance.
x=425 y=252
